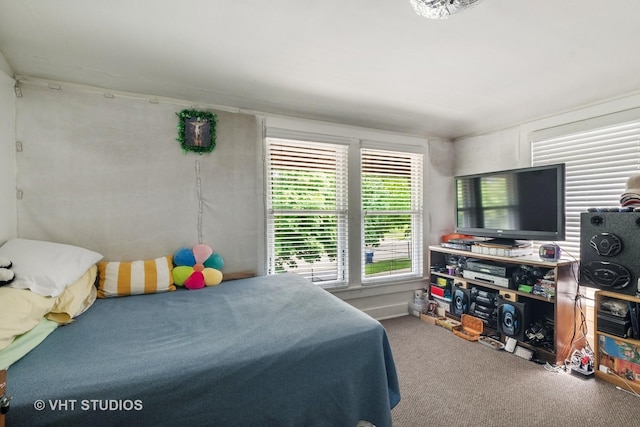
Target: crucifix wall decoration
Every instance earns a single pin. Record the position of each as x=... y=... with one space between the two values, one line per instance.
x=197 y=131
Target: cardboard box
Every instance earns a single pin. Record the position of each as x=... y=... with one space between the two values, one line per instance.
x=470 y=329
x=431 y=318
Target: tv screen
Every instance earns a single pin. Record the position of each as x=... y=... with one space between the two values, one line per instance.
x=516 y=204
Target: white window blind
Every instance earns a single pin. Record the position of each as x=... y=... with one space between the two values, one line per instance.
x=391 y=214
x=600 y=155
x=307 y=209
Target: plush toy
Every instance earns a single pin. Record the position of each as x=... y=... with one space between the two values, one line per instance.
x=6 y=275
x=197 y=267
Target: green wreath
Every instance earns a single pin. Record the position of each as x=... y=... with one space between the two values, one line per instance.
x=197 y=131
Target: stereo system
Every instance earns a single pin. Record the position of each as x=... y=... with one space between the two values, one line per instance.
x=610 y=250
x=484 y=305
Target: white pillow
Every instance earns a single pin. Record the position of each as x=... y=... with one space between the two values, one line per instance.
x=46 y=268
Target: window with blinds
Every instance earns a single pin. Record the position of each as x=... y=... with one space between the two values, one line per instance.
x=307 y=209
x=391 y=214
x=600 y=155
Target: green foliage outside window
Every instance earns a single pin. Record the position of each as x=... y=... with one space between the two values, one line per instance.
x=308 y=237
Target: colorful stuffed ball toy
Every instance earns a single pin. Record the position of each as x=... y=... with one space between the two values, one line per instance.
x=197 y=267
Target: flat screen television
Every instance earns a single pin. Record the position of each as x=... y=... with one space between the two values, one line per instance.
x=511 y=205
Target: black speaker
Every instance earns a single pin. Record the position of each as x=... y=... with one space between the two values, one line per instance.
x=460 y=301
x=610 y=251
x=513 y=318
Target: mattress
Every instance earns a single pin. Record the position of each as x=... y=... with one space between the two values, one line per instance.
x=273 y=350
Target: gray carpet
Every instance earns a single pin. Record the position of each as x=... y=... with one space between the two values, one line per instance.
x=448 y=381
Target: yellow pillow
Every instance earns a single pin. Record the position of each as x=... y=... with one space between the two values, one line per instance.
x=118 y=279
x=20 y=311
x=75 y=299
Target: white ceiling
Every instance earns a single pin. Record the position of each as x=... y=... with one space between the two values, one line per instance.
x=371 y=63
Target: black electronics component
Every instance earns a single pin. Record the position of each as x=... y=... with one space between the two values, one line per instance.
x=513 y=318
x=606 y=244
x=540 y=334
x=460 y=301
x=538 y=213
x=490 y=267
x=484 y=305
x=610 y=249
x=477 y=307
x=614 y=325
x=606 y=275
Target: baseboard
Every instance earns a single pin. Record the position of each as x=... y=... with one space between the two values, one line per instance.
x=388 y=312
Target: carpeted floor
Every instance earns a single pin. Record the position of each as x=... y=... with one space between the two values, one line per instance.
x=448 y=381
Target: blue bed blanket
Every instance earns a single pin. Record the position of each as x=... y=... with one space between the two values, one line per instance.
x=265 y=351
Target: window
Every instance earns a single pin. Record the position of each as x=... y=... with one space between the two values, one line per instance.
x=391 y=214
x=600 y=155
x=307 y=209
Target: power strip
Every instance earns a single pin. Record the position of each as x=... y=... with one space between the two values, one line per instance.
x=582 y=373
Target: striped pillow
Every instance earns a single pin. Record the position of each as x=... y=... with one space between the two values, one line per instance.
x=119 y=279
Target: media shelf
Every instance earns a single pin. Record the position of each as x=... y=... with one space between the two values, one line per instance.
x=557 y=309
x=616 y=358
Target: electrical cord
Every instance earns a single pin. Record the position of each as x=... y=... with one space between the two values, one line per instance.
x=625 y=382
x=578 y=310
x=555 y=369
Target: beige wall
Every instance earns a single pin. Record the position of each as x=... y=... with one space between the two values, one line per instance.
x=8 y=218
x=106 y=173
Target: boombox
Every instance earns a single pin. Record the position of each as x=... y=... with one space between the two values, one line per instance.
x=513 y=318
x=610 y=251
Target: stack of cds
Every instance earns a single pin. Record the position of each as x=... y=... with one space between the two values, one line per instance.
x=631 y=196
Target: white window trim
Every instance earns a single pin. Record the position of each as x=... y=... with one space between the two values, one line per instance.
x=417 y=246
x=355 y=138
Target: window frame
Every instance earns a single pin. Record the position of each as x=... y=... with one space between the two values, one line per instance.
x=340 y=212
x=416 y=214
x=354 y=240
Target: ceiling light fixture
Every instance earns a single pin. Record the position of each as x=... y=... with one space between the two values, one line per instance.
x=440 y=9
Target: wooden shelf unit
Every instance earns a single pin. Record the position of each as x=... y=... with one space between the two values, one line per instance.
x=617 y=378
x=566 y=322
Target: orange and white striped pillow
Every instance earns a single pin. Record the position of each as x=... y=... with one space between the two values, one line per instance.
x=119 y=279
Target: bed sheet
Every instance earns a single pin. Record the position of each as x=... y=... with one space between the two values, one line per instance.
x=272 y=350
x=26 y=342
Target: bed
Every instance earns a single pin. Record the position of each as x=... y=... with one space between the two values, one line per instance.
x=263 y=351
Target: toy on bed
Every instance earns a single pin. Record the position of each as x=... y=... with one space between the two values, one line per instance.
x=6 y=275
x=197 y=267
